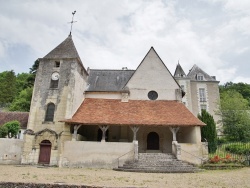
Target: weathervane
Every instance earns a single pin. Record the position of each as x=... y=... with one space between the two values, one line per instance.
x=73 y=13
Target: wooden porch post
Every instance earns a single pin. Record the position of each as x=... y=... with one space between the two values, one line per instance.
x=76 y=127
x=134 y=129
x=104 y=128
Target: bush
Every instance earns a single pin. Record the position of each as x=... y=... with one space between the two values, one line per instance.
x=240 y=149
x=13 y=128
x=3 y=131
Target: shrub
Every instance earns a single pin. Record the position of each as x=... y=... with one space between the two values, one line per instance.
x=240 y=149
x=3 y=131
x=208 y=132
x=13 y=128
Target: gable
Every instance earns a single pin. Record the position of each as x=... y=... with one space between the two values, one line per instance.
x=152 y=75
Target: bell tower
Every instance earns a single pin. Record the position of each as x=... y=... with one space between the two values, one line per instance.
x=58 y=91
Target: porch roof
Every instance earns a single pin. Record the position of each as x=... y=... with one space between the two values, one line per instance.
x=134 y=112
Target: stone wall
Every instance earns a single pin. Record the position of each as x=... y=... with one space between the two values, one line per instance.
x=194 y=153
x=95 y=154
x=10 y=151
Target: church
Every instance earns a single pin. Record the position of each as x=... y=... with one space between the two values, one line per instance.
x=104 y=118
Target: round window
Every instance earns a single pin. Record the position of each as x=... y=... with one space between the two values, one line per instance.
x=152 y=95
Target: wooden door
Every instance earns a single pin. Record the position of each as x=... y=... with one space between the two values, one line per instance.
x=45 y=151
x=153 y=141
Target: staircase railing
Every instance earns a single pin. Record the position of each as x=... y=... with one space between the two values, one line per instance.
x=118 y=159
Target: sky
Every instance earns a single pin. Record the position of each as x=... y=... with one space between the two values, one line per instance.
x=111 y=34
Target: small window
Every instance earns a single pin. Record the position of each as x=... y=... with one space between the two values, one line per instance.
x=152 y=95
x=54 y=84
x=57 y=64
x=50 y=112
x=202 y=95
x=200 y=77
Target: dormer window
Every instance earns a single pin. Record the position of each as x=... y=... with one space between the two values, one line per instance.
x=57 y=64
x=200 y=77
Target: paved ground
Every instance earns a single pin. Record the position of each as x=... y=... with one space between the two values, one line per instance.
x=109 y=178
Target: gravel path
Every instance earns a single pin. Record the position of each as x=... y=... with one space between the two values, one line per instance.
x=109 y=178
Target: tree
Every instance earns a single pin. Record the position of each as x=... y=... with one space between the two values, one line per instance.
x=7 y=87
x=13 y=128
x=3 y=131
x=242 y=88
x=22 y=101
x=22 y=82
x=33 y=70
x=235 y=116
x=208 y=132
x=24 y=89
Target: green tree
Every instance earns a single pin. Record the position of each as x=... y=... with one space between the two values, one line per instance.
x=7 y=87
x=235 y=116
x=22 y=82
x=242 y=88
x=3 y=131
x=13 y=128
x=22 y=101
x=208 y=132
x=32 y=76
x=24 y=89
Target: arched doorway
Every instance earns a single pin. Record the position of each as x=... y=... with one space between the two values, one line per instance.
x=45 y=151
x=99 y=135
x=153 y=141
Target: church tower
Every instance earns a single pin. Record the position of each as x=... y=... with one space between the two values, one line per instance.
x=58 y=91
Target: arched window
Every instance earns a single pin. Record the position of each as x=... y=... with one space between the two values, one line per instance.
x=50 y=112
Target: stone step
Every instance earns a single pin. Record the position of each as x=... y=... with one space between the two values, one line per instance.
x=159 y=168
x=157 y=162
x=174 y=170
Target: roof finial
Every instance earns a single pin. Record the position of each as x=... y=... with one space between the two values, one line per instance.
x=73 y=13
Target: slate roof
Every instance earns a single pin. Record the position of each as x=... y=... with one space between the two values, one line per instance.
x=179 y=71
x=66 y=49
x=196 y=70
x=135 y=112
x=22 y=117
x=108 y=80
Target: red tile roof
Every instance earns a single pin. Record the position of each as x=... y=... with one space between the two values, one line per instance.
x=22 y=117
x=134 y=112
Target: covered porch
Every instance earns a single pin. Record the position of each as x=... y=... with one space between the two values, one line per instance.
x=118 y=132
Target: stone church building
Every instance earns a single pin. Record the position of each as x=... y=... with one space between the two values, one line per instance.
x=98 y=118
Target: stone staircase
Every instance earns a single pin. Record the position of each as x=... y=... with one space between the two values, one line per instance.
x=157 y=163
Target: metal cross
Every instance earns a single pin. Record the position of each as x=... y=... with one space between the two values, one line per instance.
x=73 y=13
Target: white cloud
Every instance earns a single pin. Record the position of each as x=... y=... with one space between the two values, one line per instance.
x=114 y=34
x=241 y=79
x=2 y=50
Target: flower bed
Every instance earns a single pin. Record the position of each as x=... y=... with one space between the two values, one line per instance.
x=217 y=162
